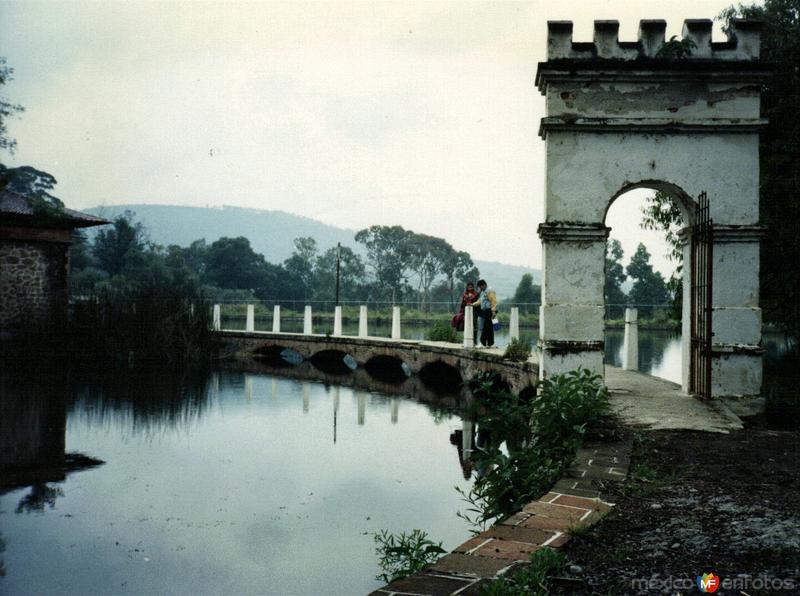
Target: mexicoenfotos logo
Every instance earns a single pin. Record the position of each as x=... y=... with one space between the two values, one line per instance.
x=708 y=582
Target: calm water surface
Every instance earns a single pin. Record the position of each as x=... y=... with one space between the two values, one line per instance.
x=252 y=484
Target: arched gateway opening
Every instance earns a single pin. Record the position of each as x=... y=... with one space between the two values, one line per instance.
x=626 y=115
x=644 y=272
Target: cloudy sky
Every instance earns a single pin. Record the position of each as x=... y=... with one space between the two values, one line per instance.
x=354 y=113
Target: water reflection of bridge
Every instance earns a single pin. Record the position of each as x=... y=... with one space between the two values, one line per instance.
x=421 y=369
x=365 y=388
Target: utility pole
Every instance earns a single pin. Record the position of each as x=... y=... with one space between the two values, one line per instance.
x=338 y=260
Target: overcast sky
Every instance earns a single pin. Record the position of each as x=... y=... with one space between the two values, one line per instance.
x=418 y=114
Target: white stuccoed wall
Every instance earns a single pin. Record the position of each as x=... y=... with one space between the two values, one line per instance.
x=619 y=118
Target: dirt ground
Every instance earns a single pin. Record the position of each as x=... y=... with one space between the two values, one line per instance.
x=695 y=503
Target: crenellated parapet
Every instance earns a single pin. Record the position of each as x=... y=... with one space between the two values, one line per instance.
x=743 y=43
x=653 y=85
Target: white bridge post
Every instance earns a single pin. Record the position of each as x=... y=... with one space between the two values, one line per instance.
x=308 y=325
x=469 y=328
x=250 y=322
x=395 y=322
x=276 y=319
x=337 y=321
x=513 y=324
x=216 y=319
x=362 y=321
x=630 y=354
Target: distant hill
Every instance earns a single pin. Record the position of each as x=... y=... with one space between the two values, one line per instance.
x=270 y=233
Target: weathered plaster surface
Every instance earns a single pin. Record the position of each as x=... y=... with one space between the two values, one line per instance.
x=572 y=322
x=586 y=170
x=559 y=362
x=736 y=374
x=693 y=100
x=576 y=272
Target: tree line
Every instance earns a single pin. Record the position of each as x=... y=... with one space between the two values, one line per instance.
x=400 y=265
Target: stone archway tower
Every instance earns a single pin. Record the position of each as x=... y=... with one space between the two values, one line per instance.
x=621 y=116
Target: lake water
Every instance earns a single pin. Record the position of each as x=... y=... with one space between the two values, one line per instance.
x=247 y=484
x=236 y=483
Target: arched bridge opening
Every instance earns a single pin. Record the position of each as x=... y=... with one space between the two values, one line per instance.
x=334 y=362
x=388 y=369
x=440 y=377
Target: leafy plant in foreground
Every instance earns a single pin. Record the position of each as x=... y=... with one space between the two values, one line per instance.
x=540 y=435
x=401 y=555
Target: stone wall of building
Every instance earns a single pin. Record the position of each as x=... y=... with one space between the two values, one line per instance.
x=34 y=283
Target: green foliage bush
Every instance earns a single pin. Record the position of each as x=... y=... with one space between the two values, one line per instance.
x=541 y=436
x=676 y=49
x=401 y=555
x=442 y=331
x=518 y=350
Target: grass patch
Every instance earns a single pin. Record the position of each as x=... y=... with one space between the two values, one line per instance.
x=644 y=478
x=517 y=350
x=532 y=580
x=442 y=331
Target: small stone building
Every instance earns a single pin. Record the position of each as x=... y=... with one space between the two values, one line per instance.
x=34 y=261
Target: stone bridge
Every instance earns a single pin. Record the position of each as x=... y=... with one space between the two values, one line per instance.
x=413 y=366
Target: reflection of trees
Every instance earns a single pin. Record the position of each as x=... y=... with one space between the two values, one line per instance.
x=145 y=399
x=40 y=495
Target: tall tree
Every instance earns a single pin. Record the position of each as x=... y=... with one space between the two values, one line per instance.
x=649 y=287
x=614 y=295
x=232 y=263
x=120 y=249
x=780 y=159
x=7 y=109
x=427 y=257
x=301 y=265
x=779 y=208
x=352 y=275
x=527 y=296
x=23 y=179
x=662 y=213
x=389 y=256
x=457 y=266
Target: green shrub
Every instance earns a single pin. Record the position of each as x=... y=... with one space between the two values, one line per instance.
x=442 y=331
x=518 y=350
x=541 y=436
x=401 y=555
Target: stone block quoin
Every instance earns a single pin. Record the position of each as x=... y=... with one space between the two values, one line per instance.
x=743 y=43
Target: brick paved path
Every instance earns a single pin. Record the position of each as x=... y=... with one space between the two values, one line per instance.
x=575 y=501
